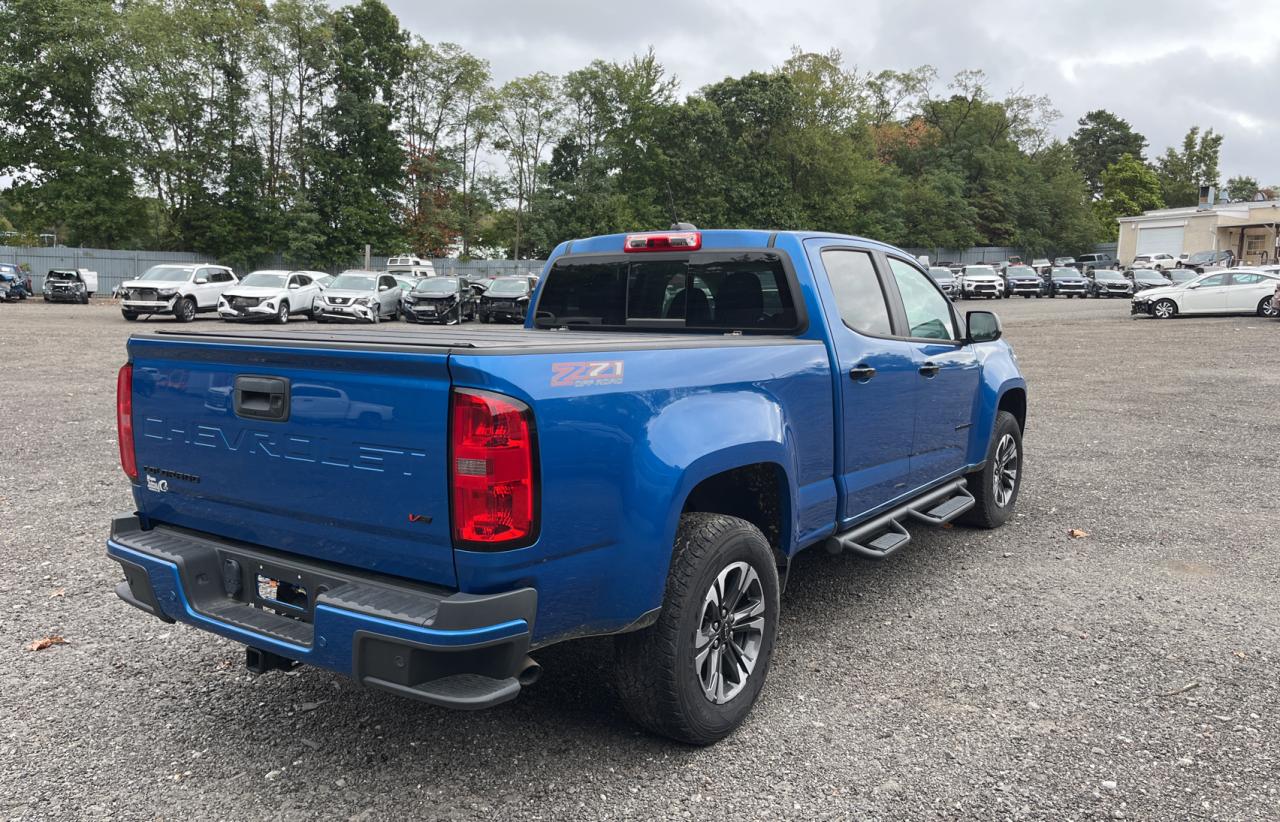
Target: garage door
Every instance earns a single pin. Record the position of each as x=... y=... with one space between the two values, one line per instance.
x=1163 y=240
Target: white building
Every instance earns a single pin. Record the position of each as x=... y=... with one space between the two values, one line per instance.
x=1249 y=230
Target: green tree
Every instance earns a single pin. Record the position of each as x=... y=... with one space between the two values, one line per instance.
x=1183 y=172
x=55 y=138
x=355 y=154
x=1241 y=188
x=528 y=124
x=1100 y=140
x=1129 y=187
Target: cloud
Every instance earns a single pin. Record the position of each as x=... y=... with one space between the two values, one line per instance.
x=1163 y=65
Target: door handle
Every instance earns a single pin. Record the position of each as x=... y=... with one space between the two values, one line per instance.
x=862 y=373
x=930 y=369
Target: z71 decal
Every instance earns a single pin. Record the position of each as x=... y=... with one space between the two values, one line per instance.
x=582 y=374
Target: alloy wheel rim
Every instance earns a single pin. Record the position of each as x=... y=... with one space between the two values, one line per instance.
x=730 y=633
x=1164 y=310
x=188 y=310
x=1005 y=479
x=1269 y=308
x=284 y=313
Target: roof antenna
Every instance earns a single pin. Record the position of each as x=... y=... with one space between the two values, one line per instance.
x=676 y=225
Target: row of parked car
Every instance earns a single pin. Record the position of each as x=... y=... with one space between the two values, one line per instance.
x=989 y=282
x=357 y=295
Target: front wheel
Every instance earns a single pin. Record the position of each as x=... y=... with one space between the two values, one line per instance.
x=1164 y=310
x=1268 y=307
x=995 y=485
x=129 y=316
x=185 y=310
x=694 y=674
x=282 y=316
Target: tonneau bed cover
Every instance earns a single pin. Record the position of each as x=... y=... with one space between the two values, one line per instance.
x=466 y=340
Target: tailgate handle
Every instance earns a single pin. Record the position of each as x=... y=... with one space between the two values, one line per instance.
x=262 y=398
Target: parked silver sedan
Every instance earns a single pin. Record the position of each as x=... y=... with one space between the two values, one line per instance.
x=359 y=296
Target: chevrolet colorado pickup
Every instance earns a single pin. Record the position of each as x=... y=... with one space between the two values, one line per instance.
x=681 y=414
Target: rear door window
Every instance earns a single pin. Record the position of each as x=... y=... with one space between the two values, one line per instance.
x=859 y=296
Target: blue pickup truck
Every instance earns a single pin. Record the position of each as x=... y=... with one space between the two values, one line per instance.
x=681 y=414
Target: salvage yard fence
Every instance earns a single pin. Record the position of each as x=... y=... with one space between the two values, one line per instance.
x=115 y=267
x=991 y=254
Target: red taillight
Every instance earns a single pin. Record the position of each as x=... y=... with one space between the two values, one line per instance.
x=675 y=241
x=124 y=420
x=492 y=468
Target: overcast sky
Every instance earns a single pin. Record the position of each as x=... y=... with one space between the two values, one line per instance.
x=1163 y=65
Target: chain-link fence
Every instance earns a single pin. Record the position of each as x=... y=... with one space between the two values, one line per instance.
x=990 y=254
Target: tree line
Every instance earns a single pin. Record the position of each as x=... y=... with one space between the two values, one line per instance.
x=249 y=130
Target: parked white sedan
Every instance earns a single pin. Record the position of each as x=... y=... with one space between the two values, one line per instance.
x=272 y=295
x=1233 y=291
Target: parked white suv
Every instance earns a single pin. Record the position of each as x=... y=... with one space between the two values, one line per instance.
x=1233 y=291
x=1160 y=262
x=180 y=290
x=980 y=281
x=272 y=294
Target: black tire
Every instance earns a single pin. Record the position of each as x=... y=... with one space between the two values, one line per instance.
x=1267 y=307
x=130 y=316
x=1164 y=310
x=185 y=310
x=658 y=680
x=377 y=314
x=282 y=315
x=1026 y=296
x=46 y=299
x=993 y=508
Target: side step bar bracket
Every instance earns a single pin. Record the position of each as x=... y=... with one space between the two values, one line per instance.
x=878 y=538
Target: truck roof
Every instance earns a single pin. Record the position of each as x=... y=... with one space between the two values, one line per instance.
x=712 y=239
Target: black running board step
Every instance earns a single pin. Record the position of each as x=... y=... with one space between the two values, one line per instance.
x=884 y=535
x=948 y=510
x=463 y=692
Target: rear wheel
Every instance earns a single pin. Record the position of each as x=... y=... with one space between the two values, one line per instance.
x=695 y=673
x=995 y=485
x=1268 y=307
x=1165 y=309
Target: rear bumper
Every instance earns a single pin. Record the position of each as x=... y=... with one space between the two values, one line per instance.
x=450 y=649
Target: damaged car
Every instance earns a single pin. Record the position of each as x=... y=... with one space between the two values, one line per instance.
x=445 y=300
x=272 y=296
x=69 y=285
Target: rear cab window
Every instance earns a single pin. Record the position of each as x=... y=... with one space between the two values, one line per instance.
x=713 y=291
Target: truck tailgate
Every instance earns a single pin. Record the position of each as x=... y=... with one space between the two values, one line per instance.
x=356 y=473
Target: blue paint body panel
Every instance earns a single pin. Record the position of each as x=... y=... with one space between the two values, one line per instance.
x=365 y=447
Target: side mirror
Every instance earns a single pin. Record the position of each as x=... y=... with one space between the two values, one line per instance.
x=384 y=288
x=294 y=286
x=1193 y=285
x=201 y=280
x=983 y=326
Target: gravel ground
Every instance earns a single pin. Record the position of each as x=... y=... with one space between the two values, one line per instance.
x=1131 y=673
